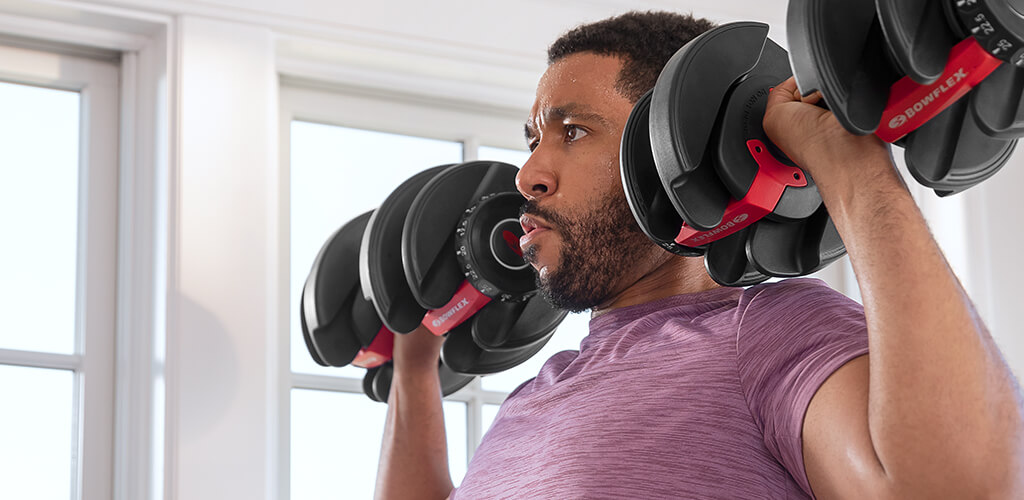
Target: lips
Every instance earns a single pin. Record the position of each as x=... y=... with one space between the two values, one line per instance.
x=532 y=227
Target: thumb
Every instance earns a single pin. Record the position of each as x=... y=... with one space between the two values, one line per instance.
x=784 y=92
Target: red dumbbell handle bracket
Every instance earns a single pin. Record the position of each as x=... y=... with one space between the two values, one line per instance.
x=773 y=177
x=466 y=302
x=912 y=104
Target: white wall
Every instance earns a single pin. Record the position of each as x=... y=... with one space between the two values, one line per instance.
x=220 y=229
x=225 y=340
x=995 y=241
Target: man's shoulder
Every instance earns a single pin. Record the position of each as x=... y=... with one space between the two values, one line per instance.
x=797 y=305
x=793 y=294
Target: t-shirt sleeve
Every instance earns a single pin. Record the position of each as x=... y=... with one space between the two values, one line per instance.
x=792 y=336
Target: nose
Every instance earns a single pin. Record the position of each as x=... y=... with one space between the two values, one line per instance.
x=536 y=179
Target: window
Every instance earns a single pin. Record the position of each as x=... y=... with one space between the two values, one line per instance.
x=339 y=165
x=58 y=192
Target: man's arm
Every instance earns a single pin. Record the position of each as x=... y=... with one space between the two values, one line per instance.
x=414 y=454
x=933 y=412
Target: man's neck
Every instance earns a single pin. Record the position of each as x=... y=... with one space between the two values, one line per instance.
x=673 y=276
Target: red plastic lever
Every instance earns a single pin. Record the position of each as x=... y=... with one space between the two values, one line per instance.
x=773 y=177
x=378 y=352
x=912 y=104
x=466 y=302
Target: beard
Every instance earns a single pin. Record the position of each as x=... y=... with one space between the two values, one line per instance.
x=598 y=247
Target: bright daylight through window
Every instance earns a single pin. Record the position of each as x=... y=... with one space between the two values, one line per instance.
x=38 y=267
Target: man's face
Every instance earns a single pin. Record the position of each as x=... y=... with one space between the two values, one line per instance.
x=580 y=235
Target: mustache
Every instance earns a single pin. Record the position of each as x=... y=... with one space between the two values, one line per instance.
x=553 y=219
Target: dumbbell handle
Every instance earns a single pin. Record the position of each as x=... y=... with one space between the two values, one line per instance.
x=378 y=352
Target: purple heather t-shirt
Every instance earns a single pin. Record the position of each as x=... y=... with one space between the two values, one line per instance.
x=692 y=396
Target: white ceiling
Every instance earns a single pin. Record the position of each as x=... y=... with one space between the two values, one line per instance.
x=520 y=29
x=485 y=51
x=497 y=44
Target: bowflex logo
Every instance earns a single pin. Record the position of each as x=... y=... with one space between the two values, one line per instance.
x=450 y=312
x=945 y=86
x=720 y=229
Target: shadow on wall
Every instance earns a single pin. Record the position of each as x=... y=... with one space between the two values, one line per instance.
x=210 y=379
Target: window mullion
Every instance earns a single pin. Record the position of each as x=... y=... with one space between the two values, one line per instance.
x=326 y=383
x=40 y=359
x=77 y=441
x=471 y=148
x=474 y=421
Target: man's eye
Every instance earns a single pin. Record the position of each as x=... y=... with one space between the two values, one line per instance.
x=574 y=133
x=532 y=145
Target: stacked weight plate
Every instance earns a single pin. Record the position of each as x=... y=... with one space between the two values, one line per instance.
x=440 y=252
x=942 y=78
x=700 y=175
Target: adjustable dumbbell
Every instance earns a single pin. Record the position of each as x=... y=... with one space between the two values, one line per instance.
x=942 y=78
x=701 y=176
x=460 y=245
x=442 y=252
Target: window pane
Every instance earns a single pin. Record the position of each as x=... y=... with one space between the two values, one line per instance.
x=335 y=443
x=511 y=156
x=338 y=173
x=567 y=337
x=35 y=432
x=457 y=433
x=38 y=217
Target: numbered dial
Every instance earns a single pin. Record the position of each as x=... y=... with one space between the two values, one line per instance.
x=998 y=25
x=487 y=247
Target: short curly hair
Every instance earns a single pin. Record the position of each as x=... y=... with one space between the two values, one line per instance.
x=644 y=40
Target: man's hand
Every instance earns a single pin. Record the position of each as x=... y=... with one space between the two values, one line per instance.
x=813 y=138
x=417 y=353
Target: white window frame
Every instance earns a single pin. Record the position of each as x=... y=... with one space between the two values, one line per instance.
x=133 y=464
x=472 y=125
x=97 y=83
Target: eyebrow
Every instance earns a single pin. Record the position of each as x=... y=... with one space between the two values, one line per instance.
x=560 y=113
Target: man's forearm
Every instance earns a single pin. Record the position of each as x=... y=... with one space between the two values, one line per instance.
x=414 y=454
x=943 y=408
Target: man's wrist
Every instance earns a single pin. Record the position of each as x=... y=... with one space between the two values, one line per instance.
x=417 y=380
x=863 y=181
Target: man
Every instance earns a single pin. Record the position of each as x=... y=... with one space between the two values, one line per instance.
x=689 y=390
